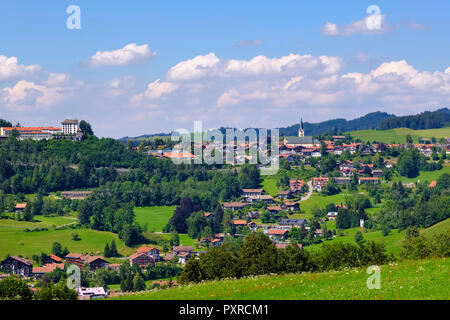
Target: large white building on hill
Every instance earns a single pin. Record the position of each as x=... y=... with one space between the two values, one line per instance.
x=70 y=130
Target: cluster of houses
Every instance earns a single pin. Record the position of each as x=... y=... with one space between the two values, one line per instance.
x=144 y=256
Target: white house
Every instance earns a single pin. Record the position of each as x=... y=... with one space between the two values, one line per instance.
x=70 y=126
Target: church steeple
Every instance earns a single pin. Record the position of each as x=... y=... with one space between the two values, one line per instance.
x=301 y=131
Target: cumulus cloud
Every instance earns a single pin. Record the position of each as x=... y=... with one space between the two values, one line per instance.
x=364 y=26
x=211 y=66
x=10 y=68
x=130 y=54
x=211 y=88
x=26 y=93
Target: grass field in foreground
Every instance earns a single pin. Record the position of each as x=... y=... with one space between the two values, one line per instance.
x=423 y=279
x=19 y=242
x=399 y=135
x=154 y=218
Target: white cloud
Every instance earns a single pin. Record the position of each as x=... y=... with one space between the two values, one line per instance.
x=197 y=67
x=130 y=54
x=10 y=69
x=29 y=94
x=356 y=27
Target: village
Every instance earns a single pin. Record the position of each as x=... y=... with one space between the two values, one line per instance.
x=254 y=210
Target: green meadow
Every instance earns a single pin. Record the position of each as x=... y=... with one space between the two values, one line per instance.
x=184 y=240
x=424 y=175
x=438 y=228
x=408 y=280
x=399 y=135
x=154 y=218
x=19 y=242
x=393 y=241
x=39 y=222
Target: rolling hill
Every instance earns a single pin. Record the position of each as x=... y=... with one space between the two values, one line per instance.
x=423 y=279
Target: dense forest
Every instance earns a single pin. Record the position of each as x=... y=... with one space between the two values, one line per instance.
x=425 y=120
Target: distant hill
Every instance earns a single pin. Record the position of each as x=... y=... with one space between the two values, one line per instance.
x=145 y=136
x=369 y=121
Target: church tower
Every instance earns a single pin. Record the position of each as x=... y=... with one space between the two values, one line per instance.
x=301 y=131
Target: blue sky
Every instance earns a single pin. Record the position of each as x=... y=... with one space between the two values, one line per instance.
x=199 y=60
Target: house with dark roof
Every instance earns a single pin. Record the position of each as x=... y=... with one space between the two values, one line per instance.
x=297 y=223
x=17 y=265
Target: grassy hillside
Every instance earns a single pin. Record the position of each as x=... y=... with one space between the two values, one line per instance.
x=424 y=279
x=19 y=242
x=154 y=218
x=424 y=175
x=438 y=228
x=39 y=222
x=399 y=135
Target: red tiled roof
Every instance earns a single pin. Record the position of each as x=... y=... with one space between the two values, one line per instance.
x=239 y=222
x=277 y=232
x=56 y=258
x=21 y=206
x=48 y=268
x=139 y=254
x=145 y=249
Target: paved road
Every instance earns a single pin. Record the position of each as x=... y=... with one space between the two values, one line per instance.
x=310 y=192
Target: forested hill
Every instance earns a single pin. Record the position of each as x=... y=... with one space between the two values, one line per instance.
x=369 y=121
x=425 y=120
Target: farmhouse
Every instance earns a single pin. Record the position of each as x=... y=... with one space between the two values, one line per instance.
x=274 y=209
x=17 y=265
x=363 y=180
x=76 y=195
x=179 y=249
x=296 y=185
x=319 y=183
x=94 y=262
x=20 y=207
x=342 y=180
x=38 y=272
x=184 y=257
x=297 y=223
x=284 y=194
x=239 y=223
x=266 y=198
x=234 y=205
x=252 y=192
x=291 y=206
x=151 y=251
x=277 y=234
x=141 y=259
x=52 y=259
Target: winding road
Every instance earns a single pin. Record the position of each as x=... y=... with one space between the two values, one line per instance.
x=310 y=192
